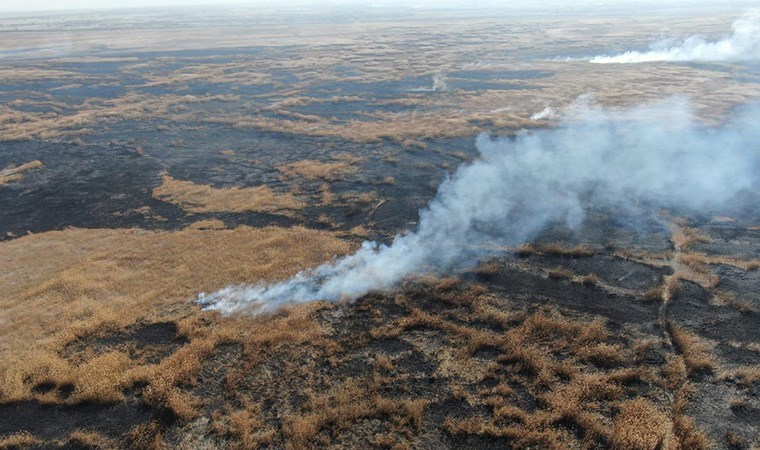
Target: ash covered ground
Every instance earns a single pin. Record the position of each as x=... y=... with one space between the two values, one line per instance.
x=143 y=164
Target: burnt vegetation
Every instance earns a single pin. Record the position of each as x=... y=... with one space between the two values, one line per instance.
x=454 y=362
x=130 y=184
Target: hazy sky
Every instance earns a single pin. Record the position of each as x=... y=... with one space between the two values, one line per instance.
x=11 y=6
x=49 y=5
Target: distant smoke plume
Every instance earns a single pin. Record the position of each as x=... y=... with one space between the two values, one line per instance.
x=546 y=113
x=742 y=45
x=659 y=154
x=439 y=83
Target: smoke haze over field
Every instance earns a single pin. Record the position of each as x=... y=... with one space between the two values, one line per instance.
x=659 y=154
x=742 y=45
x=9 y=6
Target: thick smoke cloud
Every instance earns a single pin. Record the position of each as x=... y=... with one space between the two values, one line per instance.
x=742 y=45
x=659 y=154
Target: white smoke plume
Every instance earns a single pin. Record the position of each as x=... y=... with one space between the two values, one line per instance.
x=546 y=113
x=742 y=45
x=439 y=83
x=658 y=154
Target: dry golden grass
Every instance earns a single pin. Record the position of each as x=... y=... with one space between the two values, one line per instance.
x=560 y=273
x=147 y=436
x=325 y=220
x=19 y=440
x=685 y=434
x=579 y=251
x=349 y=158
x=91 y=440
x=667 y=290
x=317 y=170
x=488 y=269
x=208 y=224
x=589 y=280
x=639 y=426
x=737 y=404
x=751 y=346
x=239 y=73
x=247 y=429
x=525 y=250
x=341 y=407
x=16 y=173
x=456 y=113
x=684 y=237
x=730 y=299
x=326 y=195
x=527 y=348
x=199 y=198
x=743 y=264
x=699 y=271
x=571 y=390
x=383 y=362
x=697 y=356
x=60 y=286
x=747 y=375
x=689 y=266
x=131 y=106
x=359 y=230
x=363 y=198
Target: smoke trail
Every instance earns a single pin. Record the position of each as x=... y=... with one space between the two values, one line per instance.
x=546 y=113
x=658 y=154
x=742 y=45
x=439 y=83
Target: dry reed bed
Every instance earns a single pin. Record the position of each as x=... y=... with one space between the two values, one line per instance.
x=450 y=114
x=573 y=368
x=60 y=286
x=198 y=198
x=317 y=170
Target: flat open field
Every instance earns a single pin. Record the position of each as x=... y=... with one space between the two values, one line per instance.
x=147 y=157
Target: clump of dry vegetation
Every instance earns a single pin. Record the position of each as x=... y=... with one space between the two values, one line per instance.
x=199 y=198
x=697 y=356
x=685 y=431
x=317 y=170
x=560 y=273
x=350 y=402
x=16 y=173
x=578 y=251
x=683 y=236
x=640 y=425
x=690 y=266
x=746 y=376
x=667 y=290
x=589 y=280
x=730 y=299
x=19 y=440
